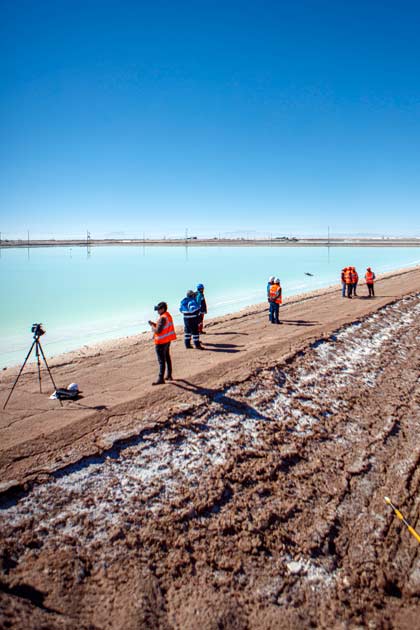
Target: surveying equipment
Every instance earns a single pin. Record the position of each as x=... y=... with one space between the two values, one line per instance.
x=401 y=517
x=38 y=331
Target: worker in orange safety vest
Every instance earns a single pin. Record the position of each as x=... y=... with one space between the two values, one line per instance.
x=164 y=333
x=355 y=280
x=348 y=279
x=275 y=299
x=370 y=278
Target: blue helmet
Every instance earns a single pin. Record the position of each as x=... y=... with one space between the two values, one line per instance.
x=200 y=286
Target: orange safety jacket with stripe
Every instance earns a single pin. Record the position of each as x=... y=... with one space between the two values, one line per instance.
x=168 y=331
x=354 y=277
x=348 y=276
x=369 y=277
x=274 y=289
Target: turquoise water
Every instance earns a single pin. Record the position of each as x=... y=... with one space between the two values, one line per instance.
x=86 y=296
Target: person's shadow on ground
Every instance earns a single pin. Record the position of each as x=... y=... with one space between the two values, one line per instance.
x=221 y=347
x=228 y=332
x=214 y=395
x=299 y=322
x=369 y=297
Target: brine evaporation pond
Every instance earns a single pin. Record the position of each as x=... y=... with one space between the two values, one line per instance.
x=86 y=295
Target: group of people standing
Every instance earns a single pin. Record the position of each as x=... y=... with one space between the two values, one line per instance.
x=350 y=280
x=193 y=308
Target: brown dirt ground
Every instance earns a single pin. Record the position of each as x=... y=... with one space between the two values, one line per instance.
x=248 y=493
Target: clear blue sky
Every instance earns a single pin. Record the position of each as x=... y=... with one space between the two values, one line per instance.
x=284 y=117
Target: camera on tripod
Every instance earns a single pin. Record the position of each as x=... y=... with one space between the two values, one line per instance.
x=37 y=330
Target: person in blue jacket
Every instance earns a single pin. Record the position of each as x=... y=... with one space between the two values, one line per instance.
x=191 y=312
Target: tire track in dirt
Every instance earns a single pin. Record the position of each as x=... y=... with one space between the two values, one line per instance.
x=269 y=494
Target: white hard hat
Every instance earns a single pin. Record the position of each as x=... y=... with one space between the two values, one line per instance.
x=73 y=387
x=271 y=279
x=277 y=280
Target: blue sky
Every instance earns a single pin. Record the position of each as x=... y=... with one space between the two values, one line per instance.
x=220 y=117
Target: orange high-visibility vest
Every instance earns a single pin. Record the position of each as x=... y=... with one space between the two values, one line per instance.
x=369 y=277
x=168 y=332
x=348 y=276
x=354 y=277
x=273 y=290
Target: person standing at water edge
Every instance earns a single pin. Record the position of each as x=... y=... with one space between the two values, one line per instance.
x=201 y=301
x=348 y=279
x=191 y=312
x=355 y=280
x=343 y=282
x=370 y=278
x=164 y=333
x=269 y=283
x=275 y=300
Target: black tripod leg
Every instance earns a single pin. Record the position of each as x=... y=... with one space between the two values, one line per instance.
x=20 y=372
x=39 y=365
x=49 y=371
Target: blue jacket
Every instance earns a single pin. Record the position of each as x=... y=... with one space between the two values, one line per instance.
x=189 y=307
x=201 y=301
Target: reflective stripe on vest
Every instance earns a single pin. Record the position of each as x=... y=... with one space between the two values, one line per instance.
x=168 y=332
x=369 y=277
x=273 y=290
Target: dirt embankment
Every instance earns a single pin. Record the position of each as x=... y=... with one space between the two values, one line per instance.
x=256 y=502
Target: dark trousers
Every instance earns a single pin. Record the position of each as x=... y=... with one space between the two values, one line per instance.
x=164 y=358
x=274 y=312
x=349 y=290
x=200 y=322
x=371 y=291
x=191 y=331
x=354 y=288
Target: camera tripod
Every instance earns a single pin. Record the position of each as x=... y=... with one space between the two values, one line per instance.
x=38 y=331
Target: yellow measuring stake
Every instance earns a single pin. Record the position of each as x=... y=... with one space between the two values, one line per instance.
x=401 y=517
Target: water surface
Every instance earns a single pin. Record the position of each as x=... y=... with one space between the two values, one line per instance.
x=83 y=296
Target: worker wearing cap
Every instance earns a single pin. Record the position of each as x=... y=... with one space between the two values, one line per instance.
x=370 y=278
x=275 y=299
x=191 y=313
x=201 y=301
x=269 y=283
x=164 y=333
x=348 y=279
